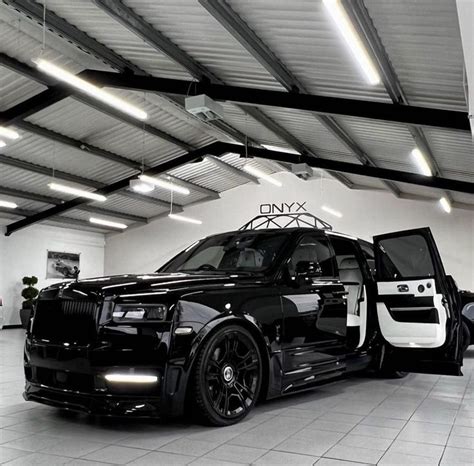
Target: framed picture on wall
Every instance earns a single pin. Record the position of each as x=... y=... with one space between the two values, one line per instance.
x=62 y=265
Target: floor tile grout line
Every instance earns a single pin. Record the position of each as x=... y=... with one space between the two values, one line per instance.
x=358 y=423
x=365 y=417
x=408 y=420
x=424 y=399
x=454 y=420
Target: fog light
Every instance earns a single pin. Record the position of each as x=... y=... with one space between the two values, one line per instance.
x=131 y=378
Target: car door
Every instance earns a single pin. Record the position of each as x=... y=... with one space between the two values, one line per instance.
x=418 y=307
x=314 y=314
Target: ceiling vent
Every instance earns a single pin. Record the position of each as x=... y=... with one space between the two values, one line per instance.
x=302 y=170
x=203 y=107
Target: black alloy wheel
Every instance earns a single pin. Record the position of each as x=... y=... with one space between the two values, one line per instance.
x=228 y=376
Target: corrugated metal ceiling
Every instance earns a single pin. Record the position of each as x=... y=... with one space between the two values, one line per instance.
x=421 y=38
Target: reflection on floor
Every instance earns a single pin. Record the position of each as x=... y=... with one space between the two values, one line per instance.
x=421 y=419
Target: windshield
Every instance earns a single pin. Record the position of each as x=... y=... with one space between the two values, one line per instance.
x=230 y=252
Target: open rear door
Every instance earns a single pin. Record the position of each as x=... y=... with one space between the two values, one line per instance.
x=418 y=307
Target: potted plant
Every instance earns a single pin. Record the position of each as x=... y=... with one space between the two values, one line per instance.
x=29 y=295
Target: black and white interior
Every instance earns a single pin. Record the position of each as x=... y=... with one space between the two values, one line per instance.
x=369 y=128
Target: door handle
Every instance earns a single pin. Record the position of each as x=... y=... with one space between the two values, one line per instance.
x=402 y=288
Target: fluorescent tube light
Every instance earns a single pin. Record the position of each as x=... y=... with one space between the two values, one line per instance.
x=260 y=174
x=8 y=205
x=140 y=186
x=182 y=218
x=421 y=162
x=280 y=149
x=76 y=192
x=88 y=88
x=445 y=204
x=131 y=378
x=355 y=44
x=2 y=143
x=107 y=223
x=327 y=209
x=165 y=184
x=8 y=133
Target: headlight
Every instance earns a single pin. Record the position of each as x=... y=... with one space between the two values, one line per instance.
x=136 y=312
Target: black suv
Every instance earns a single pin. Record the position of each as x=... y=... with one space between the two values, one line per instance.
x=246 y=315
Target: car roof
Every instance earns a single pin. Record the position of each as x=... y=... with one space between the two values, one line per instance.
x=291 y=230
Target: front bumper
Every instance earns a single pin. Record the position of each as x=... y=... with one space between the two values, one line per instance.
x=101 y=405
x=74 y=377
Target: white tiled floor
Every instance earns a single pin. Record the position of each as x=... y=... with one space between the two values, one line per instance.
x=419 y=420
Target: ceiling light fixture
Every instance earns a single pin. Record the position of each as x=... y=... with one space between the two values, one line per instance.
x=352 y=39
x=182 y=218
x=421 y=162
x=260 y=174
x=8 y=205
x=88 y=88
x=77 y=192
x=280 y=149
x=165 y=184
x=445 y=204
x=141 y=186
x=327 y=209
x=8 y=133
x=107 y=223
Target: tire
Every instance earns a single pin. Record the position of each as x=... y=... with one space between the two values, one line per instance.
x=227 y=377
x=392 y=374
x=466 y=336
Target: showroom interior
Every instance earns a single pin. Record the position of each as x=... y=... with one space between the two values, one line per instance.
x=130 y=130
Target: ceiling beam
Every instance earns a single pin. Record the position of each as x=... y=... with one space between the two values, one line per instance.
x=291 y=140
x=239 y=29
x=61 y=27
x=61 y=175
x=227 y=167
x=57 y=202
x=61 y=220
x=210 y=193
x=236 y=26
x=78 y=144
x=216 y=149
x=135 y=23
x=355 y=169
x=58 y=91
x=365 y=26
x=30 y=127
x=406 y=114
x=140 y=27
x=189 y=157
x=91 y=46
x=40 y=169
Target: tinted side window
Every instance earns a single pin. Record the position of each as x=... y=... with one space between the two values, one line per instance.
x=404 y=257
x=315 y=250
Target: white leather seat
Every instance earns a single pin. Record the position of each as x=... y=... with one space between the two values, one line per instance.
x=352 y=279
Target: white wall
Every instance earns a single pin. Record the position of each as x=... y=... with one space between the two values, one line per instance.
x=25 y=252
x=365 y=213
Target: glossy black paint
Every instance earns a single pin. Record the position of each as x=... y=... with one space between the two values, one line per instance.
x=467 y=300
x=299 y=346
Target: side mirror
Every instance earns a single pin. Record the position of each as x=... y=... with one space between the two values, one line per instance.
x=307 y=269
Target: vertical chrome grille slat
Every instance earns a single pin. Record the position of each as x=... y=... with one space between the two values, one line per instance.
x=66 y=320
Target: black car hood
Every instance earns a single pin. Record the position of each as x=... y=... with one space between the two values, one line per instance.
x=145 y=283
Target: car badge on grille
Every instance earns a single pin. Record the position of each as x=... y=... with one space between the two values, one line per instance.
x=60 y=292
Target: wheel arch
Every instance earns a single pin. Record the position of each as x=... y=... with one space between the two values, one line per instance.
x=212 y=327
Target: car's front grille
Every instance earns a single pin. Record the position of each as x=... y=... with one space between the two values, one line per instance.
x=66 y=320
